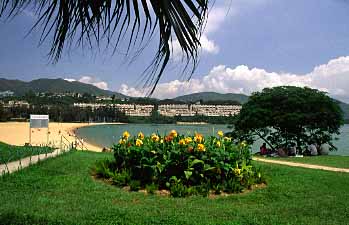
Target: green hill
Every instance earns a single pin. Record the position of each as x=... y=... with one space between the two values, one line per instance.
x=53 y=86
x=212 y=96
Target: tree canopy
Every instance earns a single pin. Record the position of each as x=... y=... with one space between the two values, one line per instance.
x=80 y=21
x=288 y=115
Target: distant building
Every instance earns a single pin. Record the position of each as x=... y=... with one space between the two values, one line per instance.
x=135 y=109
x=104 y=98
x=4 y=94
x=197 y=109
x=11 y=104
x=172 y=110
x=169 y=110
x=93 y=106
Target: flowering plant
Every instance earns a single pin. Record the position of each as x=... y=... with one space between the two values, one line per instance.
x=187 y=163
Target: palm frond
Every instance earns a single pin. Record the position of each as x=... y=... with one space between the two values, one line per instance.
x=91 y=21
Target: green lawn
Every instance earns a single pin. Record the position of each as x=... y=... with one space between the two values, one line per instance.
x=10 y=153
x=61 y=191
x=323 y=160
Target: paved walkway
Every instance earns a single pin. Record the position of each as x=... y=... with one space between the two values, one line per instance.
x=303 y=165
x=25 y=162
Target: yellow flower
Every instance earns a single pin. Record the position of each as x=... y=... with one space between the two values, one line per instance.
x=126 y=135
x=155 y=138
x=220 y=133
x=173 y=133
x=243 y=144
x=181 y=142
x=154 y=152
x=227 y=139
x=122 y=141
x=141 y=135
x=139 y=142
x=237 y=171
x=201 y=148
x=218 y=144
x=188 y=140
x=198 y=138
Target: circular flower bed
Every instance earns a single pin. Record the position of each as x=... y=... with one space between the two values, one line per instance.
x=183 y=165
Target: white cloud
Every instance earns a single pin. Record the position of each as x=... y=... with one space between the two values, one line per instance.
x=332 y=77
x=91 y=80
x=216 y=18
x=207 y=47
x=69 y=79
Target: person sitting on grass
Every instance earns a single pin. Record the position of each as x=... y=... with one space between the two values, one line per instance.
x=263 y=149
x=312 y=149
x=293 y=150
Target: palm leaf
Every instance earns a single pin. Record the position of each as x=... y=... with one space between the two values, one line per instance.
x=90 y=21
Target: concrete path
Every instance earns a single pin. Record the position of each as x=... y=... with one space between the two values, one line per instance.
x=25 y=162
x=303 y=165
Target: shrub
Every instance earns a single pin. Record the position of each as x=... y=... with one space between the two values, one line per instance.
x=151 y=188
x=121 y=178
x=135 y=185
x=184 y=165
x=103 y=169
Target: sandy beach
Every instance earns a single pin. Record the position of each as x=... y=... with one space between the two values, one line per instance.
x=17 y=133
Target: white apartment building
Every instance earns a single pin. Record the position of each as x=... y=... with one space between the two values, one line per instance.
x=169 y=110
x=17 y=104
x=135 y=109
x=128 y=109
x=6 y=94
x=93 y=106
x=172 y=110
x=192 y=110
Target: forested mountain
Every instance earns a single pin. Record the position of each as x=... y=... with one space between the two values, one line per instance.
x=212 y=96
x=53 y=86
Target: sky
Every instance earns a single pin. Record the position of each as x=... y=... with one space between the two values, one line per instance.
x=247 y=45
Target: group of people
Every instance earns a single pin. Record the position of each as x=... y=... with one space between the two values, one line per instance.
x=312 y=150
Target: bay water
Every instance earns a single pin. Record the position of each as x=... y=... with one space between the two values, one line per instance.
x=107 y=135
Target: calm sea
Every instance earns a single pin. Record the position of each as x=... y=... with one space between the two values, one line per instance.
x=107 y=135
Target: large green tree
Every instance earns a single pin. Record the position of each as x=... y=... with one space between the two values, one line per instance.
x=90 y=21
x=287 y=115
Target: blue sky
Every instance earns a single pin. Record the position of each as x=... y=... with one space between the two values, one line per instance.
x=247 y=45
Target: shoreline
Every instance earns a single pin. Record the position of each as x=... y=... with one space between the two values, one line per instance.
x=17 y=133
x=192 y=123
x=90 y=146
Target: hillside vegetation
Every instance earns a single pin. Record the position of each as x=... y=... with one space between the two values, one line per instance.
x=53 y=86
x=212 y=96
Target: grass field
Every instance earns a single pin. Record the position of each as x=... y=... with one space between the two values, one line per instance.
x=323 y=160
x=10 y=153
x=61 y=191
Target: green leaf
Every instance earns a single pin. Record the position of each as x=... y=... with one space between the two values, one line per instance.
x=209 y=168
x=196 y=161
x=188 y=174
